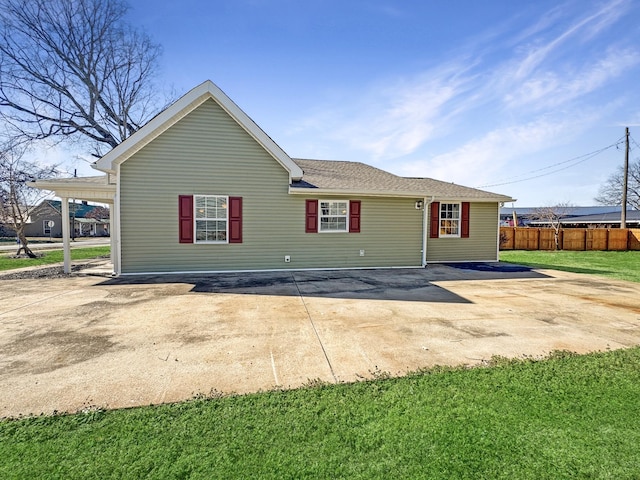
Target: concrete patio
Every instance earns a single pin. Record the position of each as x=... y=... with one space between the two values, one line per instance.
x=88 y=340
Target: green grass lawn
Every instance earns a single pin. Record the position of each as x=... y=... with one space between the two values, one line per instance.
x=620 y=265
x=51 y=256
x=568 y=416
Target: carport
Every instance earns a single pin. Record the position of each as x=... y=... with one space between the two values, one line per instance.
x=93 y=189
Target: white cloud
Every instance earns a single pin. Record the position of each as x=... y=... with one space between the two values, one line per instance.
x=397 y=118
x=551 y=88
x=585 y=28
x=488 y=159
x=480 y=159
x=538 y=69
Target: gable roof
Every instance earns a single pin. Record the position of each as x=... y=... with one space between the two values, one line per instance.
x=181 y=108
x=355 y=178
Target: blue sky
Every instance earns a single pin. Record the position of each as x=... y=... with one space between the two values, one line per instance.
x=474 y=92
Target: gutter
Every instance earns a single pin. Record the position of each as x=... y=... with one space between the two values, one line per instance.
x=390 y=193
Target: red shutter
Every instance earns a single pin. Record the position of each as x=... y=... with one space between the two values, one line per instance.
x=311 y=224
x=434 y=230
x=354 y=216
x=464 y=226
x=185 y=218
x=235 y=219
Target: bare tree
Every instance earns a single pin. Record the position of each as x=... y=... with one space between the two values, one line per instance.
x=611 y=190
x=17 y=199
x=74 y=69
x=98 y=213
x=552 y=216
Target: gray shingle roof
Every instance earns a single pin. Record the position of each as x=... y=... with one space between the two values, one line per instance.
x=359 y=178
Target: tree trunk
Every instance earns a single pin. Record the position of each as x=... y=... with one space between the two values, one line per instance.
x=24 y=247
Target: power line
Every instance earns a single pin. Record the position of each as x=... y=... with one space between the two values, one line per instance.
x=576 y=161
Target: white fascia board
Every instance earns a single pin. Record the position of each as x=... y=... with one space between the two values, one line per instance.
x=86 y=191
x=468 y=199
x=380 y=193
x=315 y=192
x=95 y=166
x=181 y=108
x=53 y=185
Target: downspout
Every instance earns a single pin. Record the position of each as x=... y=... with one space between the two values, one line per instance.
x=500 y=205
x=424 y=228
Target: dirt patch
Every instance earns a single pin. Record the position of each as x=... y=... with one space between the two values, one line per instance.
x=49 y=351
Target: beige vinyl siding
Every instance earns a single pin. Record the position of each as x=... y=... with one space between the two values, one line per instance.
x=208 y=153
x=481 y=244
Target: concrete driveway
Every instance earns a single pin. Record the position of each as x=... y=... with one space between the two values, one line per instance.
x=89 y=341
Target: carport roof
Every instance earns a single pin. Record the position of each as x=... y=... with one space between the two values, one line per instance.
x=341 y=177
x=96 y=188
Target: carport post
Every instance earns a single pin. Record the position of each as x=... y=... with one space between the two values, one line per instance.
x=66 y=247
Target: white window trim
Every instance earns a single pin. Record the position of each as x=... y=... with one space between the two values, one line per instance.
x=346 y=230
x=440 y=219
x=196 y=219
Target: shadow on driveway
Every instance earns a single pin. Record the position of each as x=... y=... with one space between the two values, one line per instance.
x=405 y=284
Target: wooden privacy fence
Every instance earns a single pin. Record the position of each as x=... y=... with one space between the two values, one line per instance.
x=525 y=238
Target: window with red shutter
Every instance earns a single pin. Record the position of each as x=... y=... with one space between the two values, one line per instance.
x=434 y=229
x=185 y=218
x=354 y=216
x=311 y=220
x=464 y=226
x=235 y=219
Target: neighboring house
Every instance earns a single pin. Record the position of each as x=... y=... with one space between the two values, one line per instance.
x=603 y=220
x=45 y=220
x=201 y=188
x=42 y=220
x=523 y=215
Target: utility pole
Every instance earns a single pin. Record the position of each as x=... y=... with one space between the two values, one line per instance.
x=623 y=214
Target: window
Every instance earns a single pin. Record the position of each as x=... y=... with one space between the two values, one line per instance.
x=334 y=215
x=210 y=218
x=449 y=219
